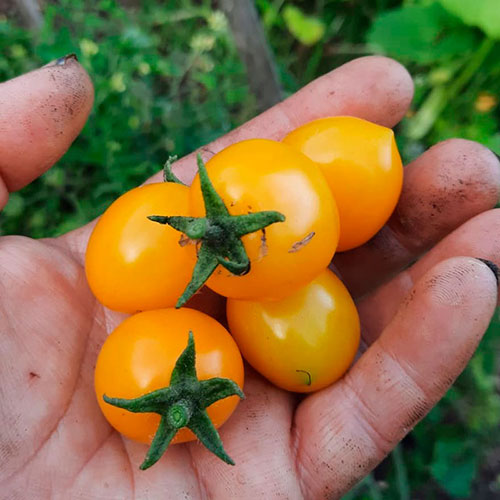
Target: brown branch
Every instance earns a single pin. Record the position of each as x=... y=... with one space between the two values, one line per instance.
x=254 y=51
x=29 y=11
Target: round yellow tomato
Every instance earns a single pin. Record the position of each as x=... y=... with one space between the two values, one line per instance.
x=139 y=356
x=362 y=165
x=301 y=343
x=260 y=175
x=133 y=264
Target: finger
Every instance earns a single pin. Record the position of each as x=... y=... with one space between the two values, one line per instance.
x=41 y=114
x=344 y=431
x=450 y=183
x=375 y=88
x=479 y=237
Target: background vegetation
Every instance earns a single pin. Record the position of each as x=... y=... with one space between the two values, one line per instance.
x=168 y=79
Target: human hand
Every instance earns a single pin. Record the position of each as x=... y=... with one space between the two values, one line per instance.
x=421 y=324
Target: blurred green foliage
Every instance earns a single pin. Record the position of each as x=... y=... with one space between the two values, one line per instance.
x=168 y=80
x=450 y=48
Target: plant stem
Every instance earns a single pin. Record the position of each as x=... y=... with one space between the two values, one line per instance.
x=401 y=473
x=373 y=488
x=254 y=50
x=439 y=96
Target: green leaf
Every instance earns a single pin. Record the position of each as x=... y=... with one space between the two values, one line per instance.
x=454 y=467
x=494 y=143
x=307 y=29
x=484 y=14
x=421 y=34
x=15 y=207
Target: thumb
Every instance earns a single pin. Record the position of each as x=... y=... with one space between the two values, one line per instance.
x=42 y=112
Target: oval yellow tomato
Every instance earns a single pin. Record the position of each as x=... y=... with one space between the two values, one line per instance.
x=363 y=168
x=301 y=343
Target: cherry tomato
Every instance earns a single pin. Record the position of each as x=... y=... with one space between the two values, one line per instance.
x=362 y=165
x=139 y=356
x=301 y=343
x=260 y=175
x=133 y=264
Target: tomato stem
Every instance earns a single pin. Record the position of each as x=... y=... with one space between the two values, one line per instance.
x=168 y=173
x=220 y=235
x=178 y=415
x=183 y=404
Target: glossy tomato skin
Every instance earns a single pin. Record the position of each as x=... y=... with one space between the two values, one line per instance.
x=133 y=264
x=362 y=165
x=260 y=174
x=139 y=356
x=304 y=342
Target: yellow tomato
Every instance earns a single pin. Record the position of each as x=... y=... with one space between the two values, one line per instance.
x=363 y=168
x=139 y=356
x=260 y=175
x=133 y=264
x=303 y=342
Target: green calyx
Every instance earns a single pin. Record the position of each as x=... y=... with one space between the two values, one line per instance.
x=219 y=233
x=183 y=404
x=168 y=173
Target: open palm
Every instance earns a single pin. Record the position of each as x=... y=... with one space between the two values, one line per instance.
x=420 y=326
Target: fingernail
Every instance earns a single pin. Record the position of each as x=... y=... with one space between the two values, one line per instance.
x=494 y=268
x=62 y=61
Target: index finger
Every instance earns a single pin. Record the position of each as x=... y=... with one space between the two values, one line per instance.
x=41 y=113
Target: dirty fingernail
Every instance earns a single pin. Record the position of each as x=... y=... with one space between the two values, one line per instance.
x=494 y=268
x=62 y=61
